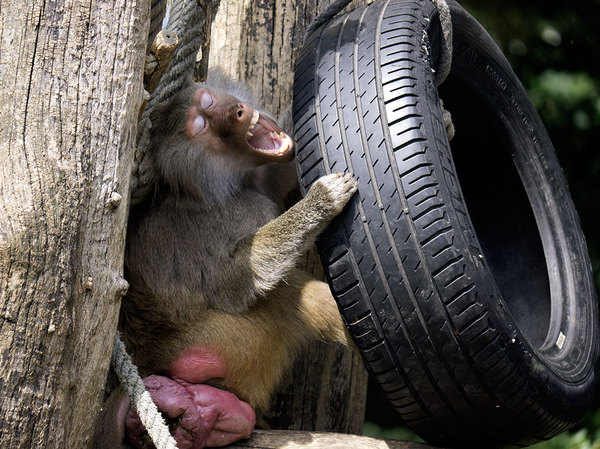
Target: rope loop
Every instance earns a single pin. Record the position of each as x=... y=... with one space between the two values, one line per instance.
x=446 y=56
x=140 y=398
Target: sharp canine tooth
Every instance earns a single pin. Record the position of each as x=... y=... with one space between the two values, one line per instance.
x=250 y=134
x=255 y=117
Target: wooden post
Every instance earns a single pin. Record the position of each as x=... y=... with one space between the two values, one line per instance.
x=70 y=90
x=257 y=42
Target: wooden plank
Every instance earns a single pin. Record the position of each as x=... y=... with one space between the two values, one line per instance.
x=283 y=439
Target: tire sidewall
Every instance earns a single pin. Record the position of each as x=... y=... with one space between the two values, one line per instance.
x=567 y=375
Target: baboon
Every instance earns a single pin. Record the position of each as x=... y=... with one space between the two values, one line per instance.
x=217 y=309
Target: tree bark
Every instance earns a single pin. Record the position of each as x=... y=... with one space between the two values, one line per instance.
x=70 y=88
x=258 y=42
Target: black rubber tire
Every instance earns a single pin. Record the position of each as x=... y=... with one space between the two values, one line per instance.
x=481 y=327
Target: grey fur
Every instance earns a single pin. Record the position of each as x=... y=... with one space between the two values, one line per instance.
x=212 y=234
x=210 y=256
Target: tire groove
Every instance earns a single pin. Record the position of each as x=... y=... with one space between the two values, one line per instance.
x=398 y=187
x=358 y=95
x=435 y=235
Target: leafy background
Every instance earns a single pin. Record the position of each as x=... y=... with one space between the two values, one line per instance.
x=554 y=48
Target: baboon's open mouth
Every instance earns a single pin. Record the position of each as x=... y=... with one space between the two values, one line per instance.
x=267 y=138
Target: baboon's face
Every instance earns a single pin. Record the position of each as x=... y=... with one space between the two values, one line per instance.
x=222 y=123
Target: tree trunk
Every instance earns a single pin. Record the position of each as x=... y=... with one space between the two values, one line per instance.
x=257 y=42
x=70 y=88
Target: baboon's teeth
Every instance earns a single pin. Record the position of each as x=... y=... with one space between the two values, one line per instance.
x=285 y=145
x=284 y=148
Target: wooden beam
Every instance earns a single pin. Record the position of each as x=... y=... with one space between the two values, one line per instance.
x=286 y=439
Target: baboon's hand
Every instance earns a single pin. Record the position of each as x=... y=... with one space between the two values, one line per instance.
x=334 y=191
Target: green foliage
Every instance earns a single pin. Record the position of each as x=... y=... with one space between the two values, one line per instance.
x=582 y=439
x=392 y=433
x=567 y=98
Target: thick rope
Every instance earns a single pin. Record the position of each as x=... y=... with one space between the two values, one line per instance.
x=187 y=21
x=325 y=16
x=445 y=64
x=445 y=21
x=140 y=398
x=448 y=124
x=446 y=56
